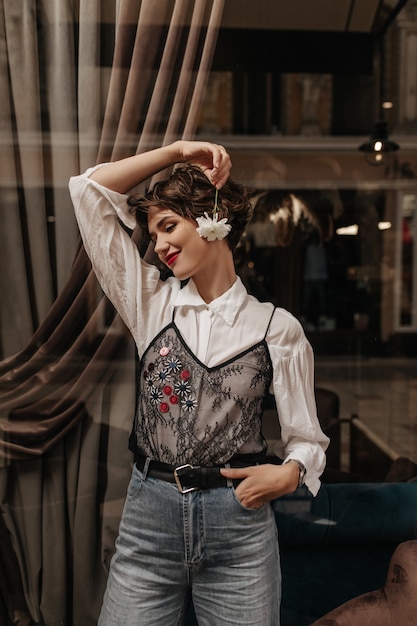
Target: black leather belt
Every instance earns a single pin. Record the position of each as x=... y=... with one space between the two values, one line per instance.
x=188 y=477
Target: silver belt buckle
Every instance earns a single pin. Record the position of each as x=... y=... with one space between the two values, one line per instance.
x=181 y=489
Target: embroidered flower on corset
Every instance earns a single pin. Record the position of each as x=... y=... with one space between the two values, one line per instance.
x=163 y=375
x=155 y=395
x=211 y=228
x=149 y=382
x=168 y=383
x=182 y=388
x=188 y=404
x=173 y=365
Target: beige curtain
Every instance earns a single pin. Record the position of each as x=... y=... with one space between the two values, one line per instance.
x=83 y=81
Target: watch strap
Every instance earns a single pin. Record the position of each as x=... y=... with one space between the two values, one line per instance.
x=302 y=471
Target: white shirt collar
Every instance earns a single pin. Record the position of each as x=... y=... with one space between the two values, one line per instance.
x=226 y=306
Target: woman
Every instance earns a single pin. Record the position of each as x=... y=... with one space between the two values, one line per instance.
x=197 y=518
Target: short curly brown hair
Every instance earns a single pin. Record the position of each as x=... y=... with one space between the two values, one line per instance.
x=189 y=193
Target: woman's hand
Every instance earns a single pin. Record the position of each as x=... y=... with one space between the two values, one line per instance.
x=212 y=158
x=263 y=483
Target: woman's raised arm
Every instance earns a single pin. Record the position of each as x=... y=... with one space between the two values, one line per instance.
x=123 y=175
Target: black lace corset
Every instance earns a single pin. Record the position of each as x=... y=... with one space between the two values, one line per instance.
x=190 y=413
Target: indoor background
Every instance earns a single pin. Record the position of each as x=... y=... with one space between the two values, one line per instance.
x=316 y=101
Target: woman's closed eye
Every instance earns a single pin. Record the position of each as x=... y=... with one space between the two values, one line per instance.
x=168 y=228
x=163 y=226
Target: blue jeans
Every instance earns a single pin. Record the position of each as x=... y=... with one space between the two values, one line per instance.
x=203 y=544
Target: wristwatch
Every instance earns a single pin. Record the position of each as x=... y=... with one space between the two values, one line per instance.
x=302 y=473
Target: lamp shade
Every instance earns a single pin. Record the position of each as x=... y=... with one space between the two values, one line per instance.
x=379 y=144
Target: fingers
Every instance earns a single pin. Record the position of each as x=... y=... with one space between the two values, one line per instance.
x=222 y=165
x=213 y=160
x=261 y=483
x=236 y=473
x=247 y=491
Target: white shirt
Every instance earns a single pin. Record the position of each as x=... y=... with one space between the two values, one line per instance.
x=215 y=332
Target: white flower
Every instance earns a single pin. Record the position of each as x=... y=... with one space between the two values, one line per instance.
x=211 y=228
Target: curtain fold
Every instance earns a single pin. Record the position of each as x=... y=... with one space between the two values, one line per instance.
x=67 y=386
x=24 y=63
x=16 y=315
x=91 y=82
x=56 y=29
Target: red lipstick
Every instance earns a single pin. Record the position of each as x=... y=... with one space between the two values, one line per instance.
x=171 y=258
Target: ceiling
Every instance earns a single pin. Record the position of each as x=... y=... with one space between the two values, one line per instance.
x=350 y=16
x=316 y=36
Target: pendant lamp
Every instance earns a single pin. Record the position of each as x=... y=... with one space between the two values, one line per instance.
x=379 y=144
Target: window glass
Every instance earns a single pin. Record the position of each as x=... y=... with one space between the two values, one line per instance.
x=407 y=259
